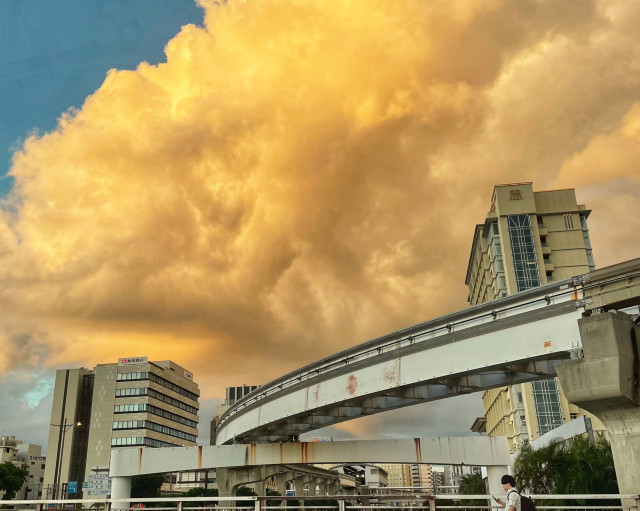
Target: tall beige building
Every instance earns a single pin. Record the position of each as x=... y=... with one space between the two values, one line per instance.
x=133 y=402
x=528 y=239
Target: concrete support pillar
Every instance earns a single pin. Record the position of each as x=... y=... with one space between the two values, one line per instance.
x=333 y=487
x=282 y=479
x=299 y=482
x=224 y=481
x=319 y=484
x=494 y=474
x=259 y=487
x=606 y=383
x=121 y=489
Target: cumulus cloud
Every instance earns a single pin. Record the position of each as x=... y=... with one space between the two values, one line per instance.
x=300 y=176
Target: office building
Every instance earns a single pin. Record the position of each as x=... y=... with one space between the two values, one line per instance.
x=528 y=239
x=133 y=402
x=398 y=474
x=29 y=457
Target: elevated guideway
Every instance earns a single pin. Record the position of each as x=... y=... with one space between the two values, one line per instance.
x=503 y=342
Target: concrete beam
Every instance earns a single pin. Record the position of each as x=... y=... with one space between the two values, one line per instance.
x=440 y=451
x=606 y=383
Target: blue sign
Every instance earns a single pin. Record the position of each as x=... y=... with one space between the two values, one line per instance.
x=290 y=493
x=72 y=487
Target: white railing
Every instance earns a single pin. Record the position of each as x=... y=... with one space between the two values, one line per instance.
x=414 y=501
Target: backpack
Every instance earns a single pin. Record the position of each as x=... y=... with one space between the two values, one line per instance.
x=526 y=504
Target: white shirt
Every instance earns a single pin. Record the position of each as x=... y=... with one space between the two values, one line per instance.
x=513 y=499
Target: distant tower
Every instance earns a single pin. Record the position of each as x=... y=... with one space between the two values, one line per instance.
x=528 y=239
x=233 y=394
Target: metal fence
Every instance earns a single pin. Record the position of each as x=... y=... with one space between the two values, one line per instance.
x=413 y=501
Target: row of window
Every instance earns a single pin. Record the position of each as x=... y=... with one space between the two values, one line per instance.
x=144 y=391
x=144 y=424
x=145 y=407
x=523 y=251
x=148 y=442
x=144 y=375
x=546 y=399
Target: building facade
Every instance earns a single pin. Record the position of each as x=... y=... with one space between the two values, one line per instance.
x=528 y=239
x=29 y=457
x=421 y=476
x=133 y=402
x=398 y=474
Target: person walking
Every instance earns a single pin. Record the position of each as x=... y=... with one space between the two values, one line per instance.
x=513 y=502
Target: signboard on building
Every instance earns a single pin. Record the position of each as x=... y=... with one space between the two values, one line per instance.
x=290 y=493
x=99 y=484
x=187 y=374
x=124 y=361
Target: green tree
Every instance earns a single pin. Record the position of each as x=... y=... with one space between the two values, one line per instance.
x=244 y=491
x=146 y=486
x=273 y=493
x=201 y=492
x=536 y=471
x=11 y=479
x=472 y=484
x=584 y=468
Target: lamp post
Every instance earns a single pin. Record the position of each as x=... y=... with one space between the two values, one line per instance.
x=63 y=428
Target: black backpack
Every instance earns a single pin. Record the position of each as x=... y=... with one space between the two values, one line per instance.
x=526 y=504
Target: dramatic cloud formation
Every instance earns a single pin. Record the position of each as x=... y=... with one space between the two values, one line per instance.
x=301 y=175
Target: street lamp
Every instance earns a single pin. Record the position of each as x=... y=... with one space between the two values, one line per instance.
x=63 y=428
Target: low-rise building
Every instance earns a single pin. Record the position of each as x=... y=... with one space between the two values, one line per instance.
x=29 y=457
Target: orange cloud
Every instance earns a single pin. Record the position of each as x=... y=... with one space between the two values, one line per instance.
x=300 y=176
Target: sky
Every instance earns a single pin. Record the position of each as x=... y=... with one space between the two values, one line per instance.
x=289 y=178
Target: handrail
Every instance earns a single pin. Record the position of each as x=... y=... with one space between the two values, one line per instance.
x=405 y=496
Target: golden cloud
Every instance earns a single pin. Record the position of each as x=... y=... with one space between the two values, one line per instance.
x=300 y=176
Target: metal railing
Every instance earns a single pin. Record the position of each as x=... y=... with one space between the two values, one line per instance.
x=414 y=501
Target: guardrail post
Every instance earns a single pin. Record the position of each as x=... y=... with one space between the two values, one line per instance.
x=107 y=505
x=38 y=506
x=179 y=505
x=432 y=503
x=341 y=505
x=638 y=502
x=258 y=505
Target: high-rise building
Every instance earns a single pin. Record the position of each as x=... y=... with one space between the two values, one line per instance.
x=421 y=476
x=528 y=239
x=133 y=402
x=28 y=457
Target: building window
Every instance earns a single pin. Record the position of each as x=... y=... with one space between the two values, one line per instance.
x=523 y=250
x=143 y=375
x=568 y=221
x=145 y=407
x=144 y=391
x=149 y=442
x=144 y=424
x=547 y=405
